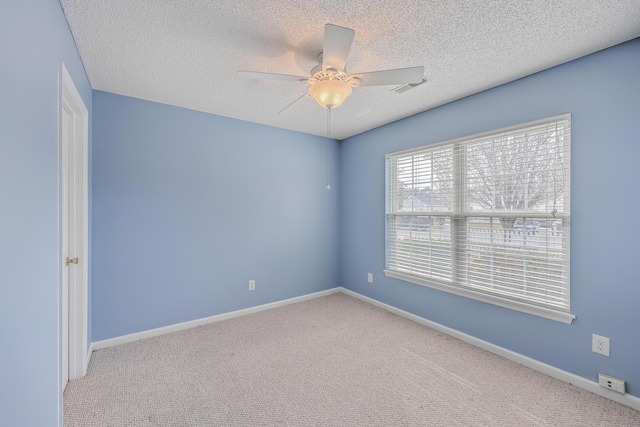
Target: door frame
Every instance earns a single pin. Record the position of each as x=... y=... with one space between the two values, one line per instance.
x=78 y=289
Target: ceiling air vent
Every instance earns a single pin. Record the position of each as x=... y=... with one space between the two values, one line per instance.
x=406 y=87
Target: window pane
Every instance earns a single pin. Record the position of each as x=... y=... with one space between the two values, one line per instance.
x=422 y=246
x=518 y=171
x=523 y=259
x=423 y=182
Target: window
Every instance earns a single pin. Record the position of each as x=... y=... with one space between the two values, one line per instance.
x=486 y=217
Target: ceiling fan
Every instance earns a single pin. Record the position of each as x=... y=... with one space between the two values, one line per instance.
x=330 y=84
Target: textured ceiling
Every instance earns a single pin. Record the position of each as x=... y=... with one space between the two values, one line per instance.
x=187 y=53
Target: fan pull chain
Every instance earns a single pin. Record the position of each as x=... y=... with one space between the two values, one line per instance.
x=328 y=187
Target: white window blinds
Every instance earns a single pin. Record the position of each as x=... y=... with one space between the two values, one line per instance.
x=486 y=216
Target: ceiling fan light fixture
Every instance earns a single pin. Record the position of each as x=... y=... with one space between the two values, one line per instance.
x=330 y=93
x=330 y=84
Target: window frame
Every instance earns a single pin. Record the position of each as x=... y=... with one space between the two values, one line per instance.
x=458 y=216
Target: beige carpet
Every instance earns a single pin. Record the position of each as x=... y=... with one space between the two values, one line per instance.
x=331 y=361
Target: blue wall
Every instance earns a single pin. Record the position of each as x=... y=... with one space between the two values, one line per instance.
x=34 y=38
x=188 y=207
x=602 y=92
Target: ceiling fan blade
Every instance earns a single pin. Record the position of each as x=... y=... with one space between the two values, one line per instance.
x=256 y=75
x=391 y=77
x=337 y=43
x=354 y=105
x=286 y=109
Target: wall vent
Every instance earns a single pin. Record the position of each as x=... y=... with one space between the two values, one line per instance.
x=406 y=87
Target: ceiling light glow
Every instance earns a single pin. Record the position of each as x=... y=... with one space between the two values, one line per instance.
x=330 y=93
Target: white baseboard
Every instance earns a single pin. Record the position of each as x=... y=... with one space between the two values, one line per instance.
x=568 y=377
x=98 y=345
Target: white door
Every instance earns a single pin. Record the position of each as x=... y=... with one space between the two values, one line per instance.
x=67 y=235
x=73 y=231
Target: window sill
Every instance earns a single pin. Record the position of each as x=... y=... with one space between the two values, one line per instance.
x=546 y=313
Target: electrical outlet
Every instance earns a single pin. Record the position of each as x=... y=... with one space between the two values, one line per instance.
x=600 y=345
x=612 y=383
x=252 y=285
x=370 y=277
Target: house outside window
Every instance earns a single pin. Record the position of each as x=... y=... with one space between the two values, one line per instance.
x=486 y=217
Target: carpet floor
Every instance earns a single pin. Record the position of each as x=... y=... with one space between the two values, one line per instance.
x=330 y=361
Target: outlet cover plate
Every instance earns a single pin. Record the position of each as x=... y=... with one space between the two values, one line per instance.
x=600 y=345
x=370 y=277
x=252 y=285
x=612 y=383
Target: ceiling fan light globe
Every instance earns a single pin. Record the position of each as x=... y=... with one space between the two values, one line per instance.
x=330 y=93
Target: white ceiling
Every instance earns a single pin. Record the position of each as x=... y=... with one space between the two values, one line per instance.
x=187 y=53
